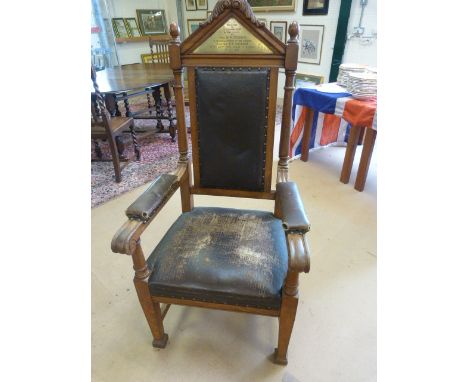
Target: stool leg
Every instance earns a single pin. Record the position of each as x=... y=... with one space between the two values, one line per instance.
x=306 y=135
x=367 y=150
x=350 y=153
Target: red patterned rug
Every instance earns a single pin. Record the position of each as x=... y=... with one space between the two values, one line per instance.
x=158 y=155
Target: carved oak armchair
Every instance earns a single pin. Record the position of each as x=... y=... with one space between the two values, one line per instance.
x=220 y=258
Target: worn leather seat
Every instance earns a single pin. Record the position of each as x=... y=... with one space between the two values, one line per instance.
x=222 y=255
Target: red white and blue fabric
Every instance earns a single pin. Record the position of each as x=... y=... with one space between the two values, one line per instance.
x=334 y=115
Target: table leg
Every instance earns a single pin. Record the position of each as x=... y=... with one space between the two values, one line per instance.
x=306 y=135
x=170 y=115
x=157 y=102
x=128 y=113
x=366 y=156
x=350 y=152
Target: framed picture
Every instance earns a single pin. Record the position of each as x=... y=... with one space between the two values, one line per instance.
x=272 y=5
x=152 y=21
x=191 y=5
x=310 y=44
x=279 y=29
x=193 y=25
x=202 y=4
x=120 y=29
x=132 y=26
x=315 y=7
x=307 y=80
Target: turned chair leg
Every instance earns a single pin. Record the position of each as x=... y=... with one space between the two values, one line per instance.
x=287 y=316
x=151 y=309
x=136 y=145
x=115 y=160
x=286 y=323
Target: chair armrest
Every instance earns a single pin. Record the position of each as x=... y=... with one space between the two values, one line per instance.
x=153 y=198
x=299 y=255
x=289 y=208
x=145 y=209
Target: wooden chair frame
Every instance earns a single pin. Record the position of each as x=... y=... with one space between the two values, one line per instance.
x=101 y=118
x=127 y=239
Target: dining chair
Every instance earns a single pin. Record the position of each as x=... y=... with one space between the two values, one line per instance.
x=224 y=258
x=110 y=129
x=160 y=55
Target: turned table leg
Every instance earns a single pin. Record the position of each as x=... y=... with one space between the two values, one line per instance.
x=157 y=102
x=170 y=115
x=367 y=150
x=350 y=153
x=306 y=135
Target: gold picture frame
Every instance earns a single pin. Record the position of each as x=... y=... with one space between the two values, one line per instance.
x=152 y=21
x=132 y=26
x=272 y=5
x=120 y=28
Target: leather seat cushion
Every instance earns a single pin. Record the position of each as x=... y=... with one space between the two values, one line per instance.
x=236 y=257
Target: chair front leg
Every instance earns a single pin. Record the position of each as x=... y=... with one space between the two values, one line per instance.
x=151 y=310
x=289 y=301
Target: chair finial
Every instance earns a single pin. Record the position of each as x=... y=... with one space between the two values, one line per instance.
x=293 y=31
x=174 y=31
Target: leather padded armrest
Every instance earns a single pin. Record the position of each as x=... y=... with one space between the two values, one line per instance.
x=153 y=198
x=290 y=207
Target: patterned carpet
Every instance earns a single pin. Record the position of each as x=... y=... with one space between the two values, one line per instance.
x=158 y=155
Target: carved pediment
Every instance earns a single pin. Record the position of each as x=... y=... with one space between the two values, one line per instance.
x=232 y=29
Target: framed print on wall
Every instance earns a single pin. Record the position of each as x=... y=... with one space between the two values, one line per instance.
x=279 y=29
x=120 y=29
x=132 y=26
x=307 y=80
x=202 y=5
x=310 y=44
x=152 y=21
x=191 y=5
x=315 y=7
x=272 y=5
x=193 y=25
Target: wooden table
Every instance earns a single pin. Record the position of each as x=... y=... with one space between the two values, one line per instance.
x=342 y=119
x=120 y=83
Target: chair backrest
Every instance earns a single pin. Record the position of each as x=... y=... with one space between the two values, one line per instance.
x=233 y=62
x=159 y=51
x=99 y=114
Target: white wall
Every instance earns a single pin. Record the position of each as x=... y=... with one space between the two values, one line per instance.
x=356 y=51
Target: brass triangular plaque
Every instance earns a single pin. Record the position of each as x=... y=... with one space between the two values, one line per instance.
x=233 y=38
